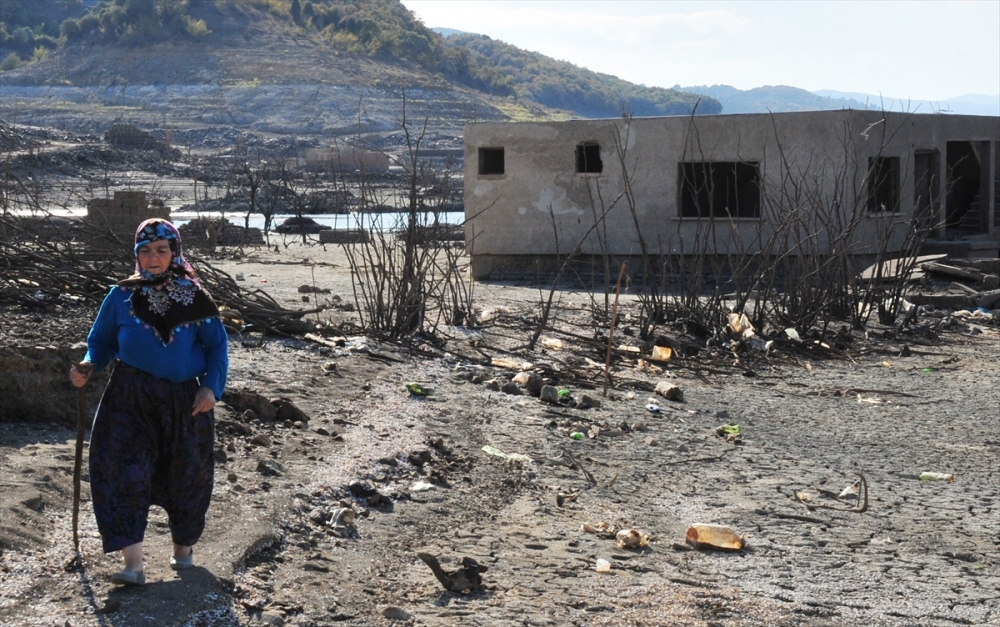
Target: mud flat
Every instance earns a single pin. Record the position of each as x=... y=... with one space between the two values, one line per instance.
x=346 y=434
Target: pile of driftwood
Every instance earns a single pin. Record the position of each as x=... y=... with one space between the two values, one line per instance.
x=974 y=283
x=49 y=262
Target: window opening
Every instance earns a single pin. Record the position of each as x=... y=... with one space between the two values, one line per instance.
x=491 y=161
x=588 y=158
x=883 y=184
x=719 y=189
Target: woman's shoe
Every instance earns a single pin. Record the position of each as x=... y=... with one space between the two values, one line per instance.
x=128 y=577
x=183 y=563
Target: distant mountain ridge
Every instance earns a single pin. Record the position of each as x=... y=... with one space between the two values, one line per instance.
x=969 y=104
x=773 y=98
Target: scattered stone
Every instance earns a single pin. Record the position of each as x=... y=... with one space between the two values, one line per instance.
x=549 y=394
x=271 y=468
x=531 y=382
x=991 y=282
x=587 y=402
x=362 y=489
x=261 y=439
x=511 y=388
x=469 y=576
x=243 y=401
x=286 y=410
x=311 y=289
x=493 y=385
x=394 y=613
x=669 y=391
x=273 y=619
x=419 y=457
x=316 y=566
x=241 y=427
x=476 y=377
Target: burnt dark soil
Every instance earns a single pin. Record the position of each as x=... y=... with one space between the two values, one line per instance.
x=307 y=430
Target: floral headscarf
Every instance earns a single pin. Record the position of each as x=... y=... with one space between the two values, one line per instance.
x=173 y=297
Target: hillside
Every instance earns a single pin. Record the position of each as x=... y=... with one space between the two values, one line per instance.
x=320 y=67
x=774 y=98
x=562 y=85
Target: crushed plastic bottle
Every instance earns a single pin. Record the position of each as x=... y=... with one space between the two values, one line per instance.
x=703 y=535
x=937 y=476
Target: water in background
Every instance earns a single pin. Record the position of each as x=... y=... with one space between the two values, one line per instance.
x=351 y=221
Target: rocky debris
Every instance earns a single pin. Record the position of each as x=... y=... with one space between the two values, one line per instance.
x=530 y=381
x=960 y=292
x=208 y=233
x=549 y=394
x=271 y=468
x=511 y=387
x=131 y=137
x=394 y=613
x=587 y=402
x=468 y=577
x=296 y=226
x=669 y=391
x=260 y=408
x=522 y=518
x=440 y=232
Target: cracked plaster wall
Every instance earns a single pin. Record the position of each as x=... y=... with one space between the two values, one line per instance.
x=541 y=207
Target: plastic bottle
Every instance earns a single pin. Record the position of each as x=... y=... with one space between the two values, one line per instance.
x=713 y=536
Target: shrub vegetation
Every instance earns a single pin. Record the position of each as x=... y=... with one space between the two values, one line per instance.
x=378 y=28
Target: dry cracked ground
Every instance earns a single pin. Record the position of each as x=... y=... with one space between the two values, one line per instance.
x=319 y=516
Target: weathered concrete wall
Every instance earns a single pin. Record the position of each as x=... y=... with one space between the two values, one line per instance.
x=125 y=212
x=347 y=159
x=812 y=165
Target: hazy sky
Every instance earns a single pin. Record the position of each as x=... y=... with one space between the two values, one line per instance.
x=921 y=50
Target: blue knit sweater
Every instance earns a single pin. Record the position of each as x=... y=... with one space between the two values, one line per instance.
x=198 y=349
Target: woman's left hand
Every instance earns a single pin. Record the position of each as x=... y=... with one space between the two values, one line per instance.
x=204 y=400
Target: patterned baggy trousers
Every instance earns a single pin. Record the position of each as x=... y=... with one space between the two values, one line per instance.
x=147 y=449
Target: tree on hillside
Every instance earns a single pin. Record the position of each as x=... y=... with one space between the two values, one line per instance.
x=296 y=11
x=562 y=85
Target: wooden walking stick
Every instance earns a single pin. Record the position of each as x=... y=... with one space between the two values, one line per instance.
x=85 y=369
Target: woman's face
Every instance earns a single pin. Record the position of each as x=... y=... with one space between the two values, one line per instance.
x=154 y=257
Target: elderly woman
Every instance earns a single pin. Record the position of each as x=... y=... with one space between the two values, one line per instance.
x=153 y=436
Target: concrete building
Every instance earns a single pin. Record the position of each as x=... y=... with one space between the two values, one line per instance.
x=729 y=184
